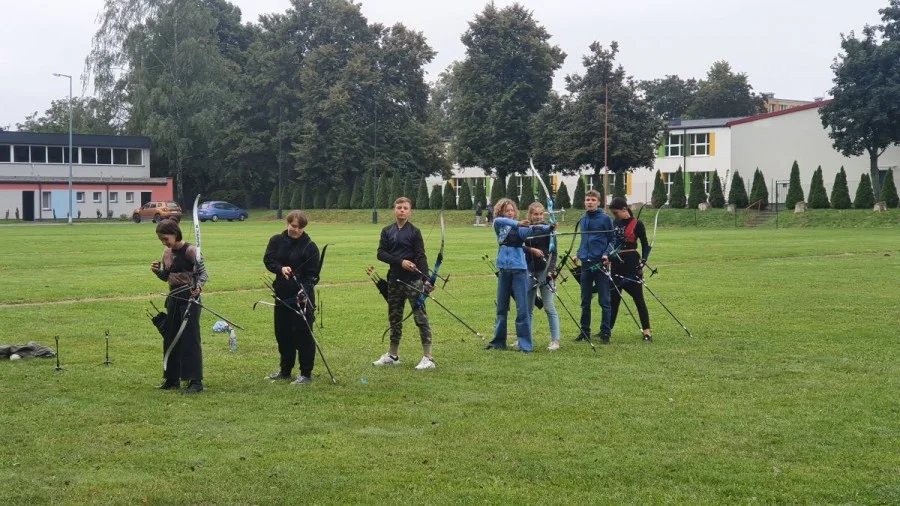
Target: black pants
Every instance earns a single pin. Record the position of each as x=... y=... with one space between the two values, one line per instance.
x=295 y=341
x=186 y=360
x=636 y=290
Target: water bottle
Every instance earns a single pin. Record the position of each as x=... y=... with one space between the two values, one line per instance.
x=232 y=341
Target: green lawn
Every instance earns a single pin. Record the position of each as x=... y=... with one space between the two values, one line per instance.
x=787 y=394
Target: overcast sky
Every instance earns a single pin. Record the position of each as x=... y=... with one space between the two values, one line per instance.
x=786 y=47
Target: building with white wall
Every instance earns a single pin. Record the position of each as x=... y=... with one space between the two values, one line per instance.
x=110 y=175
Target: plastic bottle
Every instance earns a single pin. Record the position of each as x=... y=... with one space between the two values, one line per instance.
x=232 y=341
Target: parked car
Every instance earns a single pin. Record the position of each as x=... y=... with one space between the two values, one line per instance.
x=157 y=210
x=216 y=210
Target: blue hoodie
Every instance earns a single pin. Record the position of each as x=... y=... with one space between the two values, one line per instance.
x=599 y=244
x=513 y=257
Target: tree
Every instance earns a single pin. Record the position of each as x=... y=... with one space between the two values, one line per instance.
x=562 y=199
x=865 y=198
x=307 y=199
x=449 y=196
x=670 y=97
x=659 y=197
x=498 y=189
x=437 y=199
x=737 y=195
x=505 y=78
x=344 y=196
x=578 y=198
x=409 y=190
x=422 y=196
x=725 y=94
x=862 y=116
x=840 y=192
x=465 y=196
x=396 y=187
x=368 y=196
x=331 y=198
x=527 y=196
x=383 y=197
x=676 y=194
x=697 y=194
x=758 y=190
x=273 y=199
x=480 y=197
x=296 y=197
x=633 y=132
x=889 y=190
x=716 y=197
x=795 y=190
x=512 y=189
x=818 y=198
x=321 y=198
x=89 y=116
x=619 y=185
x=357 y=196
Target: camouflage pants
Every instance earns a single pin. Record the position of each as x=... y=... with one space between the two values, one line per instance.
x=397 y=296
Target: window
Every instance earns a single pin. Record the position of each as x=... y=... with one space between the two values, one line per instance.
x=38 y=154
x=674 y=146
x=129 y=196
x=120 y=156
x=135 y=157
x=54 y=154
x=79 y=197
x=66 y=154
x=113 y=197
x=89 y=155
x=104 y=156
x=699 y=144
x=5 y=153
x=98 y=197
x=21 y=154
x=45 y=201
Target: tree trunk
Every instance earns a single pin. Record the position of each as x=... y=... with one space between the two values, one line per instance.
x=875 y=174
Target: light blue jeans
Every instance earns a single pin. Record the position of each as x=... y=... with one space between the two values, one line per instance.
x=548 y=297
x=515 y=283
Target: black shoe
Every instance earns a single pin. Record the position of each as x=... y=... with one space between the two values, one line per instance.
x=493 y=347
x=581 y=337
x=195 y=387
x=604 y=339
x=169 y=385
x=648 y=338
x=278 y=376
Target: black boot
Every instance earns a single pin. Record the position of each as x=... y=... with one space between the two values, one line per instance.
x=194 y=387
x=169 y=385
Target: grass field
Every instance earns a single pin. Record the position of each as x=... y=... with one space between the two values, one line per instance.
x=787 y=394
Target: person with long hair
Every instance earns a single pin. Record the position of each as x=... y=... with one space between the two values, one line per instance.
x=541 y=263
x=627 y=263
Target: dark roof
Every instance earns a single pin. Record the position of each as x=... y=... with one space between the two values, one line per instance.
x=804 y=107
x=78 y=140
x=84 y=180
x=682 y=124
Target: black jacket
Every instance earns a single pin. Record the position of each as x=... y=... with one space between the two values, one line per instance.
x=301 y=255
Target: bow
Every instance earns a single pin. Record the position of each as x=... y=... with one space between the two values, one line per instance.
x=552 y=220
x=192 y=300
x=420 y=302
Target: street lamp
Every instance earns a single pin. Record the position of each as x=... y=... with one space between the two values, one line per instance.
x=70 y=142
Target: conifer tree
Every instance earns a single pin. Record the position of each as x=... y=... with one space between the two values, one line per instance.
x=527 y=192
x=449 y=196
x=716 y=197
x=677 y=198
x=512 y=189
x=480 y=196
x=465 y=196
x=889 y=190
x=865 y=197
x=698 y=192
x=619 y=184
x=437 y=198
x=795 y=190
x=306 y=199
x=368 y=196
x=737 y=195
x=840 y=192
x=356 y=195
x=331 y=198
x=578 y=198
x=396 y=187
x=383 y=198
x=818 y=198
x=498 y=190
x=659 y=197
x=758 y=190
x=296 y=197
x=562 y=199
x=321 y=197
x=422 y=200
x=408 y=190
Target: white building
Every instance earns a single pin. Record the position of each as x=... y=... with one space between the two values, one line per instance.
x=111 y=175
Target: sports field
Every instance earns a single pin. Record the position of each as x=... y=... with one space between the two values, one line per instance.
x=788 y=393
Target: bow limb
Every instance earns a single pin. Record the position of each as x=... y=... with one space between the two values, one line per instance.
x=551 y=220
x=655 y=224
x=192 y=300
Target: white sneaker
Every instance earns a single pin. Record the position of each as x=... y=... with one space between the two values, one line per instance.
x=386 y=359
x=426 y=363
x=554 y=345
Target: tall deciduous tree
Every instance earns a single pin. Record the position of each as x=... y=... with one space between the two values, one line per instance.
x=724 y=94
x=670 y=97
x=504 y=79
x=90 y=115
x=840 y=192
x=795 y=190
x=862 y=117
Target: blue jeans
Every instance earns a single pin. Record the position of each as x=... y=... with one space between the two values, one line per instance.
x=548 y=297
x=515 y=283
x=594 y=279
